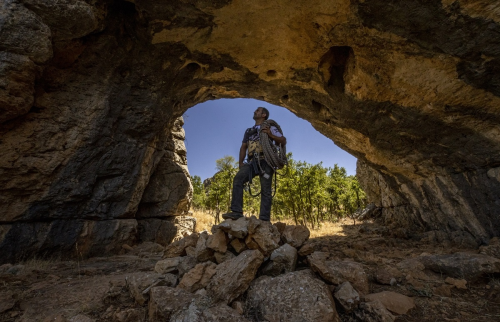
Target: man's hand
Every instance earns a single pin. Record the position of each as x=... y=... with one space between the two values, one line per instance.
x=267 y=130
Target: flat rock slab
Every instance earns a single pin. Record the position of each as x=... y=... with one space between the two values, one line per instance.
x=337 y=272
x=233 y=277
x=394 y=302
x=462 y=265
x=295 y=296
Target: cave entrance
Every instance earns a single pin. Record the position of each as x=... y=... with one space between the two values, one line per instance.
x=214 y=130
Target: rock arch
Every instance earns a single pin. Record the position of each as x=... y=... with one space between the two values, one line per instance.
x=91 y=97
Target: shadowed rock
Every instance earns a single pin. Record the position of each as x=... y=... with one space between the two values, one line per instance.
x=337 y=272
x=198 y=277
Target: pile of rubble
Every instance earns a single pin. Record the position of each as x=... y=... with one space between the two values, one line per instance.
x=252 y=270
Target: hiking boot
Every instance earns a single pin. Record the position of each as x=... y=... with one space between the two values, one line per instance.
x=232 y=215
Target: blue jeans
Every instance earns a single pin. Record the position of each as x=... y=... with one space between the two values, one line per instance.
x=243 y=177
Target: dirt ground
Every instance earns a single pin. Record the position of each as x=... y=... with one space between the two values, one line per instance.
x=96 y=288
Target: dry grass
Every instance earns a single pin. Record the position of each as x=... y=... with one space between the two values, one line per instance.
x=205 y=221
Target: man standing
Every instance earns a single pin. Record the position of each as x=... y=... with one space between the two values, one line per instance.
x=256 y=166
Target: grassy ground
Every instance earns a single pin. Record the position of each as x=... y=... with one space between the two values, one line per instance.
x=205 y=221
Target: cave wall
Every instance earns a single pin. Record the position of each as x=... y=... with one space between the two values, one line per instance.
x=91 y=94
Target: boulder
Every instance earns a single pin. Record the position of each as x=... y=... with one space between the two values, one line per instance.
x=198 y=277
x=373 y=312
x=238 y=245
x=462 y=265
x=394 y=302
x=237 y=228
x=218 y=241
x=282 y=260
x=165 y=301
x=337 y=272
x=200 y=311
x=281 y=226
x=262 y=235
x=294 y=296
x=178 y=248
x=385 y=276
x=203 y=253
x=186 y=263
x=222 y=257
x=167 y=265
x=347 y=296
x=233 y=277
x=306 y=249
x=140 y=282
x=295 y=235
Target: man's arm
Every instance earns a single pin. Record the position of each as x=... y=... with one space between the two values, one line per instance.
x=243 y=153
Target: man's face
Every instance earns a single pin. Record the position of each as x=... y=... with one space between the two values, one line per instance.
x=258 y=114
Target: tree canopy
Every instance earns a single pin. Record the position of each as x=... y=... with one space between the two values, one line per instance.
x=306 y=193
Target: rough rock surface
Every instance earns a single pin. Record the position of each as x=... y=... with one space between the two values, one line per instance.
x=198 y=277
x=337 y=272
x=295 y=235
x=262 y=235
x=91 y=94
x=165 y=301
x=202 y=252
x=233 y=277
x=237 y=228
x=394 y=302
x=347 y=296
x=178 y=248
x=295 y=296
x=199 y=311
x=462 y=265
x=282 y=260
x=374 y=312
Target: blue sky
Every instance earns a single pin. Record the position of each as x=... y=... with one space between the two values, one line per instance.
x=215 y=129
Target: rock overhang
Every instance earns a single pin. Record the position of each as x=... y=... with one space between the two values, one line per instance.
x=411 y=93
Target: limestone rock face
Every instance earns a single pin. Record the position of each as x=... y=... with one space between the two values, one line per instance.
x=295 y=296
x=91 y=95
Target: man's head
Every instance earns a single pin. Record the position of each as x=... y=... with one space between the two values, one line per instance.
x=261 y=112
